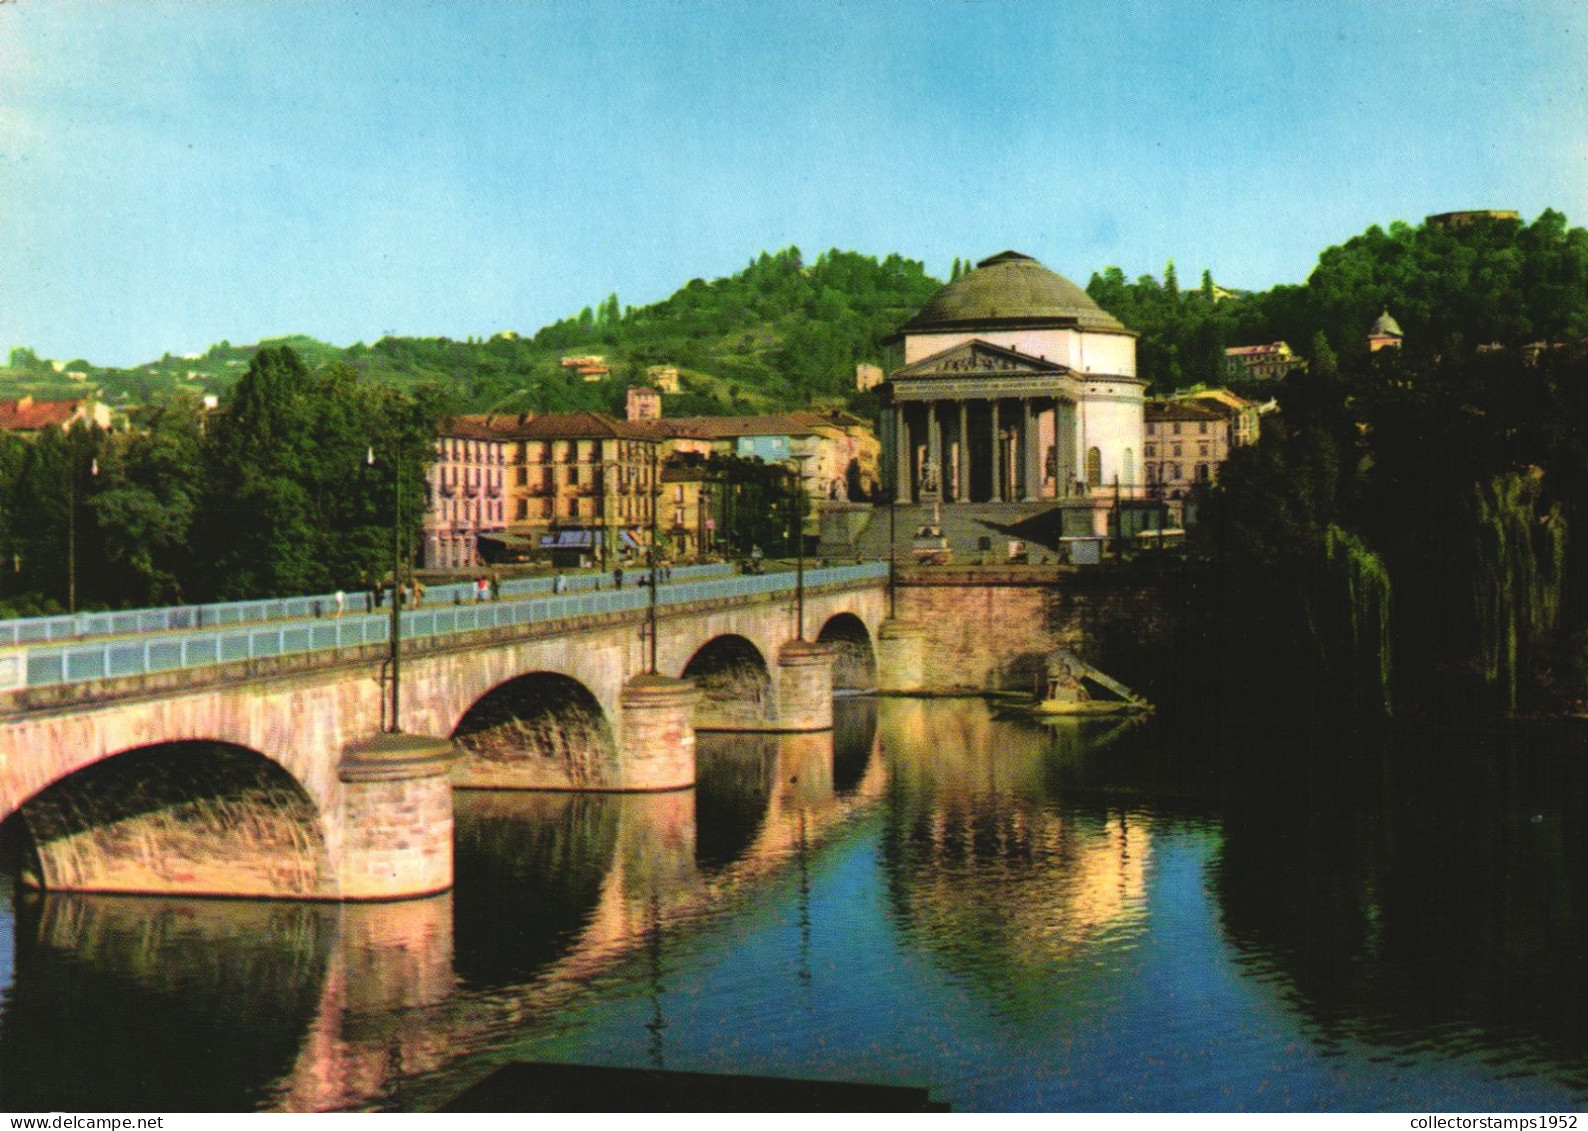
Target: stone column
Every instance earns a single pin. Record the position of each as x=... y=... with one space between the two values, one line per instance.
x=903 y=456
x=1033 y=459
x=901 y=657
x=396 y=817
x=658 y=748
x=1064 y=447
x=804 y=687
x=997 y=458
x=962 y=484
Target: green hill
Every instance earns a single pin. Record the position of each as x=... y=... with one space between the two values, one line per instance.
x=779 y=334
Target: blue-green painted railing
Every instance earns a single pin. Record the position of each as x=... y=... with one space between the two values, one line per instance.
x=130 y=622
x=49 y=664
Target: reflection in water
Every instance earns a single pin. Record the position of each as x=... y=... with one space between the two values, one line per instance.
x=1019 y=916
x=991 y=873
x=734 y=779
x=529 y=870
x=1435 y=898
x=854 y=742
x=158 y=1004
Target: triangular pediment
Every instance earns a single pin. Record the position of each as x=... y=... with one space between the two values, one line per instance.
x=977 y=358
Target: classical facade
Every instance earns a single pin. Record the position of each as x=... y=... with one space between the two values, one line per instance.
x=1012 y=385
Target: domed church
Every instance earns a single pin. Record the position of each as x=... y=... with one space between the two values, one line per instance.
x=1012 y=385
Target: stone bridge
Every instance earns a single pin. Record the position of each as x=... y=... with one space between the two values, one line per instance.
x=274 y=777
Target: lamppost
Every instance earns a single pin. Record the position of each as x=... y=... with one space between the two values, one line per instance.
x=393 y=725
x=656 y=498
x=799 y=459
x=71 y=525
x=893 y=555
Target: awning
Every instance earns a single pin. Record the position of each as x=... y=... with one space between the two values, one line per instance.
x=507 y=541
x=572 y=539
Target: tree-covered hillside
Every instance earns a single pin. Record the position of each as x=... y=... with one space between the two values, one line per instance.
x=782 y=333
x=1453 y=289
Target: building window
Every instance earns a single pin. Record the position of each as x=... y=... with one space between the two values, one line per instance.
x=1177 y=428
x=1202 y=449
x=1174 y=471
x=1094 y=467
x=1176 y=451
x=523 y=476
x=523 y=509
x=1152 y=450
x=1152 y=429
x=1128 y=468
x=1202 y=473
x=1202 y=427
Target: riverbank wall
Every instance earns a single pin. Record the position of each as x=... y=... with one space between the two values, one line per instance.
x=988 y=629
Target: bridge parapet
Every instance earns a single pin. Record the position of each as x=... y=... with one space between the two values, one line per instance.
x=85 y=662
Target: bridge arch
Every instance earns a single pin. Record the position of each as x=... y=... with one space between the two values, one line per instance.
x=189 y=817
x=735 y=685
x=854 y=656
x=540 y=730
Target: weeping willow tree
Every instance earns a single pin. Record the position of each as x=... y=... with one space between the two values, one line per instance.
x=1356 y=596
x=1517 y=588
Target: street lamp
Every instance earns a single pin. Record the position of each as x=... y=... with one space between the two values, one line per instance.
x=799 y=459
x=656 y=498
x=393 y=726
x=893 y=556
x=71 y=525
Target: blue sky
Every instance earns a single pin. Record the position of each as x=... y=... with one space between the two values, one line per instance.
x=172 y=174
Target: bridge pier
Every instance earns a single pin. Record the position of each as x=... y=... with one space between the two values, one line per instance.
x=901 y=657
x=658 y=734
x=804 y=687
x=396 y=817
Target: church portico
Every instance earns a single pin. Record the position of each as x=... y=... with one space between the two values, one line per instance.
x=997 y=436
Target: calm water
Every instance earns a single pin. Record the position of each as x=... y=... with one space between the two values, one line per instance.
x=1018 y=916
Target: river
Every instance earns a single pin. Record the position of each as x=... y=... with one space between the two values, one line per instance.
x=1018 y=916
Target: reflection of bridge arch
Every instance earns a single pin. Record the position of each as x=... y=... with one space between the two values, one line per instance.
x=539 y=730
x=735 y=685
x=194 y=816
x=854 y=658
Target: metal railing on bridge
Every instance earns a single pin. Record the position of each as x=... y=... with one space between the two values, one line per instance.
x=131 y=622
x=57 y=663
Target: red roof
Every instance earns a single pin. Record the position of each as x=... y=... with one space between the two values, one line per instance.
x=29 y=415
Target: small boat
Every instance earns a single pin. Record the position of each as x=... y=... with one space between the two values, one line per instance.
x=1073 y=687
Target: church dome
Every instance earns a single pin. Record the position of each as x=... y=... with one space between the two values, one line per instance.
x=1007 y=291
x=1385 y=326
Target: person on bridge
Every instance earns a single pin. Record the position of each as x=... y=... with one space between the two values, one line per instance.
x=617 y=578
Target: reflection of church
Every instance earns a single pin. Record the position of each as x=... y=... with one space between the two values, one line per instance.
x=1013 y=386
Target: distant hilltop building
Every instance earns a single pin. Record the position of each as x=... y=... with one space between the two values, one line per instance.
x=1385 y=334
x=590 y=366
x=663 y=378
x=1261 y=362
x=644 y=403
x=867 y=376
x=1470 y=217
